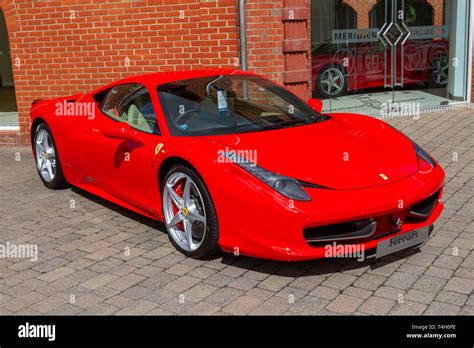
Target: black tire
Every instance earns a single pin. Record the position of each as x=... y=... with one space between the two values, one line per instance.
x=209 y=246
x=319 y=88
x=59 y=181
x=432 y=83
x=438 y=65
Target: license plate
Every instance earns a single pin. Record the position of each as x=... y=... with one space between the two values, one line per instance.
x=403 y=241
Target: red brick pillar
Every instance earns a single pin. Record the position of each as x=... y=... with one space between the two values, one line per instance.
x=278 y=42
x=438 y=11
x=362 y=8
x=297 y=46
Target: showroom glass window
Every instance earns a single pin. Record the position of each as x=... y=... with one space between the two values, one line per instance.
x=367 y=55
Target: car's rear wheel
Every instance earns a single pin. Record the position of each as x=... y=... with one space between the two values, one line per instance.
x=332 y=81
x=189 y=213
x=47 y=158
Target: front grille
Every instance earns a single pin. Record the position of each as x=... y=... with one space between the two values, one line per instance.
x=360 y=231
x=347 y=230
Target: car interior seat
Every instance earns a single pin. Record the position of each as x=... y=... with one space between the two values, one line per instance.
x=137 y=120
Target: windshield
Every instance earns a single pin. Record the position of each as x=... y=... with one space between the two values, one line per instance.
x=230 y=104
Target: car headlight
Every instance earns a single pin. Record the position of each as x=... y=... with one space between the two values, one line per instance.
x=422 y=154
x=288 y=187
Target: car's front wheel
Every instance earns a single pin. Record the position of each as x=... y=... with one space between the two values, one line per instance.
x=438 y=77
x=189 y=213
x=47 y=158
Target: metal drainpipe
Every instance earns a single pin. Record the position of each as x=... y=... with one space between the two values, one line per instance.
x=243 y=46
x=243 y=35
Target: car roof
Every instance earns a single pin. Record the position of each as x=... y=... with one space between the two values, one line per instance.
x=170 y=76
x=159 y=78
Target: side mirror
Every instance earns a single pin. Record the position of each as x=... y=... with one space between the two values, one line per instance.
x=123 y=131
x=316 y=104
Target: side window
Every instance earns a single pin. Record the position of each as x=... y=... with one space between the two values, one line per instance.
x=114 y=99
x=131 y=103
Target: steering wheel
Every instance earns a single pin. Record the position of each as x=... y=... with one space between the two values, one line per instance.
x=184 y=117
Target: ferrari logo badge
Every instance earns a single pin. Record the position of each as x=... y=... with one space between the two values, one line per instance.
x=383 y=176
x=185 y=211
x=397 y=221
x=158 y=148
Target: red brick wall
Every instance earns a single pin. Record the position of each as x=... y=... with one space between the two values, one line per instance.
x=278 y=48
x=219 y=35
x=264 y=38
x=65 y=47
x=59 y=52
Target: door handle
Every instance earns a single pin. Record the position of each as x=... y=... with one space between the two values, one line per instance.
x=385 y=37
x=404 y=33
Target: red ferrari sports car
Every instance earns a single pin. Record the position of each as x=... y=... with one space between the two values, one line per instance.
x=231 y=161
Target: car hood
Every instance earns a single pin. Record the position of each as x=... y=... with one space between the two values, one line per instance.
x=346 y=152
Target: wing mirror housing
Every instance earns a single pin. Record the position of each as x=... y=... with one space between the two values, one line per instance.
x=123 y=131
x=316 y=104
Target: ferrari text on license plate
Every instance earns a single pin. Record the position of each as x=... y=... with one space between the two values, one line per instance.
x=403 y=241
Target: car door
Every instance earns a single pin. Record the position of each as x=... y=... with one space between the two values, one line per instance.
x=125 y=167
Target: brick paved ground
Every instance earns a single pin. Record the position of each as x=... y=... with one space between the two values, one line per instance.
x=83 y=268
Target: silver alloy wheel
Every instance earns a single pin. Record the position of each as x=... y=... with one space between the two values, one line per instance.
x=185 y=214
x=45 y=155
x=332 y=81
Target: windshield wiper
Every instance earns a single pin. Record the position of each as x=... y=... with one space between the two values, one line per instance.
x=300 y=121
x=294 y=122
x=315 y=119
x=261 y=129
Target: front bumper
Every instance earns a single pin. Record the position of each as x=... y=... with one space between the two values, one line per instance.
x=256 y=221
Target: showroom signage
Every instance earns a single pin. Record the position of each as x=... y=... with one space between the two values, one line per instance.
x=372 y=34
